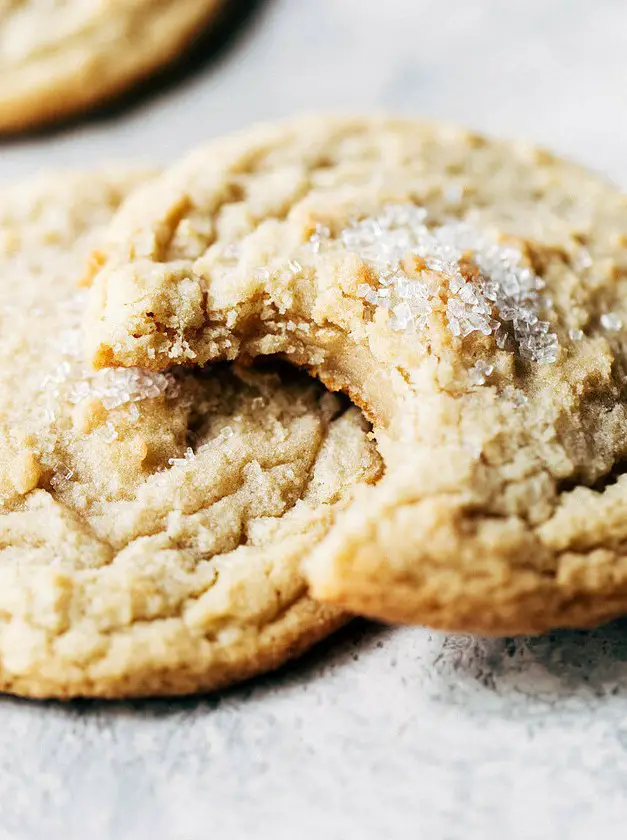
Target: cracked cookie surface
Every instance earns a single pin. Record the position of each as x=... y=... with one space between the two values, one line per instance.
x=469 y=295
x=62 y=57
x=152 y=525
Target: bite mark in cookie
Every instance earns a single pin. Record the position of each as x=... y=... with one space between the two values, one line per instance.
x=468 y=294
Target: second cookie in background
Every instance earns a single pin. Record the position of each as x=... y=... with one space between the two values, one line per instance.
x=58 y=60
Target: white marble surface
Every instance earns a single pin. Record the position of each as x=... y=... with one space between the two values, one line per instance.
x=381 y=733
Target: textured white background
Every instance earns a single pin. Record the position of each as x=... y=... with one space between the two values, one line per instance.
x=381 y=733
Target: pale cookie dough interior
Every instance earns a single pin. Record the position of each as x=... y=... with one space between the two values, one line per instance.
x=469 y=295
x=62 y=56
x=152 y=524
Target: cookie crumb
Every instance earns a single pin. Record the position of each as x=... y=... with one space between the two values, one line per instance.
x=26 y=473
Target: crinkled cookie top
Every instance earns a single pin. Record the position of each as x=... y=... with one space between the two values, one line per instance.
x=469 y=295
